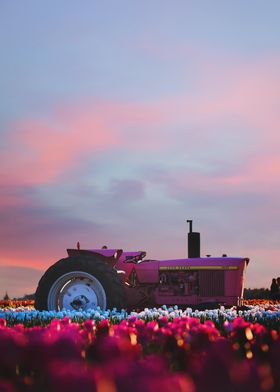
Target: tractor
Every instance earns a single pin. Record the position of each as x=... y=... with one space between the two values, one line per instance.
x=113 y=278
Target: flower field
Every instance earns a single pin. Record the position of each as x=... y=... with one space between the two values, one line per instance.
x=15 y=304
x=169 y=349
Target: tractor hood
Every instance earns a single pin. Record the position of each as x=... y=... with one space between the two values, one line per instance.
x=223 y=263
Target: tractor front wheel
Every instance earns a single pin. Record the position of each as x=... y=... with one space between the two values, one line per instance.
x=80 y=283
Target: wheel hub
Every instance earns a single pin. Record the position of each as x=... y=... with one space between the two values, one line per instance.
x=77 y=290
x=79 y=302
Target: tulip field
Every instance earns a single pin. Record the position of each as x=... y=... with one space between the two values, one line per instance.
x=166 y=349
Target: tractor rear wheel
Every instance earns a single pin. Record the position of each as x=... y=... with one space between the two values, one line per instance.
x=80 y=282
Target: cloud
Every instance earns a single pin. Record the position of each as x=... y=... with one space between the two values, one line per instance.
x=126 y=190
x=14 y=195
x=43 y=150
x=37 y=235
x=40 y=151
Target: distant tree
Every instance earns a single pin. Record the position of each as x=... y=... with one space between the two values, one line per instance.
x=6 y=297
x=260 y=293
x=28 y=297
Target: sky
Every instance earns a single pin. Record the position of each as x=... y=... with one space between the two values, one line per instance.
x=119 y=120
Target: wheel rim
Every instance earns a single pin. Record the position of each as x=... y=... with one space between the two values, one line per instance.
x=76 y=290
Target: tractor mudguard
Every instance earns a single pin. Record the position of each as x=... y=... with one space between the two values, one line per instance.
x=109 y=256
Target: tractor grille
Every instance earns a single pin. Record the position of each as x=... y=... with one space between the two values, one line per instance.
x=211 y=283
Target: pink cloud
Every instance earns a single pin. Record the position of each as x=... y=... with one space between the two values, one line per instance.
x=259 y=175
x=40 y=153
x=42 y=150
x=12 y=196
x=248 y=93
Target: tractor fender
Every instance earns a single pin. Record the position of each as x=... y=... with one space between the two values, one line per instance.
x=109 y=256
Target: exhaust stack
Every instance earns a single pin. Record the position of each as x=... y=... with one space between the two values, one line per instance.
x=193 y=242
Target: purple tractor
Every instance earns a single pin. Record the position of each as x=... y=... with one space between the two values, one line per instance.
x=111 y=278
